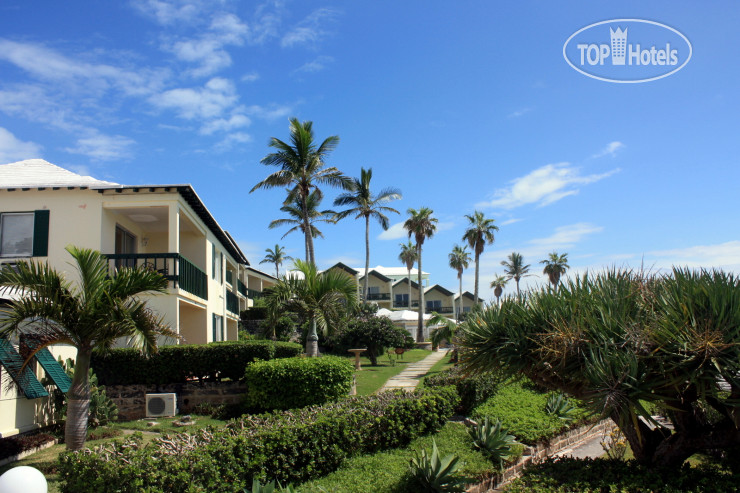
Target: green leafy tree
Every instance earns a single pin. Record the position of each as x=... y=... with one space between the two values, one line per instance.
x=365 y=204
x=555 y=266
x=276 y=256
x=478 y=235
x=619 y=339
x=91 y=316
x=373 y=333
x=421 y=225
x=498 y=284
x=301 y=214
x=459 y=260
x=516 y=269
x=302 y=170
x=321 y=298
x=408 y=256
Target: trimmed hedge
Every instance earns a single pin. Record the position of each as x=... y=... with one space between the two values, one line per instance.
x=287 y=446
x=176 y=364
x=297 y=382
x=473 y=390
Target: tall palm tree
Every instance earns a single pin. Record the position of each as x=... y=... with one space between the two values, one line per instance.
x=515 y=268
x=459 y=260
x=555 y=266
x=320 y=297
x=276 y=256
x=302 y=170
x=365 y=204
x=90 y=316
x=302 y=214
x=498 y=284
x=479 y=233
x=421 y=225
x=408 y=256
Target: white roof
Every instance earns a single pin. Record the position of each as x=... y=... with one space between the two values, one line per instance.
x=390 y=271
x=39 y=173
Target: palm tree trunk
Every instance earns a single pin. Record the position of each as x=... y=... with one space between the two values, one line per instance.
x=312 y=341
x=367 y=256
x=78 y=402
x=408 y=305
x=277 y=270
x=518 y=294
x=305 y=241
x=477 y=265
x=420 y=328
x=460 y=308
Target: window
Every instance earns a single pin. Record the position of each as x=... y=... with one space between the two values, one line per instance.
x=373 y=290
x=402 y=300
x=218 y=328
x=217 y=261
x=24 y=234
x=434 y=305
x=125 y=243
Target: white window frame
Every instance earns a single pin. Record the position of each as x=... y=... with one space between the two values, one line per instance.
x=2 y=219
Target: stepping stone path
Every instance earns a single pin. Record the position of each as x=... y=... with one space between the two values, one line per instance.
x=409 y=378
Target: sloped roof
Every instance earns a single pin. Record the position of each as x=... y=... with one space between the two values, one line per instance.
x=37 y=173
x=345 y=268
x=406 y=279
x=439 y=288
x=470 y=296
x=373 y=272
x=391 y=271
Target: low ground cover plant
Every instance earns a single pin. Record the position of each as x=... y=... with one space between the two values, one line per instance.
x=473 y=389
x=290 y=383
x=286 y=446
x=17 y=444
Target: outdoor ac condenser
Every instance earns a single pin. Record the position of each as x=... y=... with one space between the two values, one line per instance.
x=161 y=405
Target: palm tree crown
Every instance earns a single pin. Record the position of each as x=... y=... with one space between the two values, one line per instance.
x=92 y=315
x=408 y=256
x=459 y=260
x=498 y=284
x=302 y=170
x=421 y=225
x=276 y=256
x=479 y=233
x=515 y=268
x=555 y=266
x=305 y=214
x=364 y=204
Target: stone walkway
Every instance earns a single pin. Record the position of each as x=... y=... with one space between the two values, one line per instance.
x=409 y=378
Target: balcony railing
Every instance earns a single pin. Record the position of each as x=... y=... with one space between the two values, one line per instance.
x=440 y=309
x=241 y=287
x=253 y=294
x=173 y=267
x=232 y=302
x=378 y=296
x=405 y=304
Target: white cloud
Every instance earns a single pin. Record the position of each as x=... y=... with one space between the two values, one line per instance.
x=394 y=232
x=518 y=113
x=169 y=12
x=345 y=259
x=251 y=77
x=270 y=112
x=12 y=149
x=316 y=65
x=543 y=186
x=566 y=236
x=610 y=149
x=724 y=255
x=210 y=101
x=103 y=147
x=231 y=140
x=510 y=221
x=309 y=30
x=223 y=124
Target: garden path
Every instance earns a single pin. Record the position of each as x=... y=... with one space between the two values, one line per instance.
x=409 y=378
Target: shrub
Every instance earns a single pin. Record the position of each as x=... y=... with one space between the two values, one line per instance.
x=177 y=364
x=374 y=333
x=473 y=390
x=559 y=405
x=493 y=441
x=435 y=474
x=17 y=444
x=286 y=446
x=297 y=382
x=102 y=409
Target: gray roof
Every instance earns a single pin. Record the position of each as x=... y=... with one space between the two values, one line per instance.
x=35 y=173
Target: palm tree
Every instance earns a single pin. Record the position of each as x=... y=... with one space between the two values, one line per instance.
x=555 y=266
x=408 y=256
x=498 y=284
x=365 y=205
x=459 y=260
x=302 y=214
x=91 y=316
x=479 y=233
x=515 y=268
x=302 y=170
x=421 y=225
x=276 y=256
x=320 y=297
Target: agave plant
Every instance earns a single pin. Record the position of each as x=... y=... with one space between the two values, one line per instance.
x=433 y=474
x=493 y=441
x=270 y=487
x=559 y=405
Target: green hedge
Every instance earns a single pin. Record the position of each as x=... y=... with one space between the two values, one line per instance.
x=290 y=383
x=176 y=364
x=473 y=390
x=287 y=446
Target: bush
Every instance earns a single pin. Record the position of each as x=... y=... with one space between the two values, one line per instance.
x=177 y=364
x=297 y=382
x=287 y=446
x=569 y=475
x=373 y=333
x=17 y=444
x=473 y=390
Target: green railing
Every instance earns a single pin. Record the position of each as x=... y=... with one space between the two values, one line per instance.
x=241 y=287
x=230 y=277
x=173 y=267
x=232 y=302
x=378 y=296
x=253 y=294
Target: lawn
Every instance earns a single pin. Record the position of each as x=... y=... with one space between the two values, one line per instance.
x=371 y=378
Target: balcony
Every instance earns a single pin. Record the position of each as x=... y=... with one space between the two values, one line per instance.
x=405 y=304
x=378 y=297
x=230 y=277
x=253 y=294
x=173 y=267
x=232 y=302
x=443 y=309
x=241 y=287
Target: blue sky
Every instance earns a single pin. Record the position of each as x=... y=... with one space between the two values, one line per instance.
x=461 y=105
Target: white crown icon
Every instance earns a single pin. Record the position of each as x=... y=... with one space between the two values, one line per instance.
x=619 y=45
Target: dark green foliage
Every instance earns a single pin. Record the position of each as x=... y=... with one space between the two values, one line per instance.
x=102 y=409
x=473 y=390
x=279 y=329
x=568 y=475
x=254 y=313
x=493 y=441
x=176 y=364
x=16 y=444
x=559 y=405
x=373 y=333
x=290 y=383
x=287 y=447
x=436 y=474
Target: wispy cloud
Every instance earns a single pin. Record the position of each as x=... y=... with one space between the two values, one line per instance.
x=231 y=140
x=610 y=149
x=316 y=65
x=13 y=149
x=310 y=30
x=543 y=186
x=103 y=147
x=225 y=124
x=394 y=232
x=270 y=112
x=520 y=112
x=510 y=221
x=348 y=260
x=205 y=102
x=566 y=236
x=171 y=12
x=726 y=255
x=251 y=77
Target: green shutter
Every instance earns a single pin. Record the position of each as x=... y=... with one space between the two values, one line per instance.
x=221 y=266
x=213 y=261
x=213 y=326
x=41 y=233
x=54 y=370
x=25 y=379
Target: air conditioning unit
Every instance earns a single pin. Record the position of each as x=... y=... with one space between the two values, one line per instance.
x=161 y=405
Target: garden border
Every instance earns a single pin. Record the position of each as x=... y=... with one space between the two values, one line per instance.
x=22 y=455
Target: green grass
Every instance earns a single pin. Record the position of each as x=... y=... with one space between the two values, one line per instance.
x=165 y=425
x=387 y=471
x=439 y=366
x=371 y=378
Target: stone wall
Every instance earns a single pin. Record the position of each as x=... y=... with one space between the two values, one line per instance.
x=131 y=399
x=542 y=450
